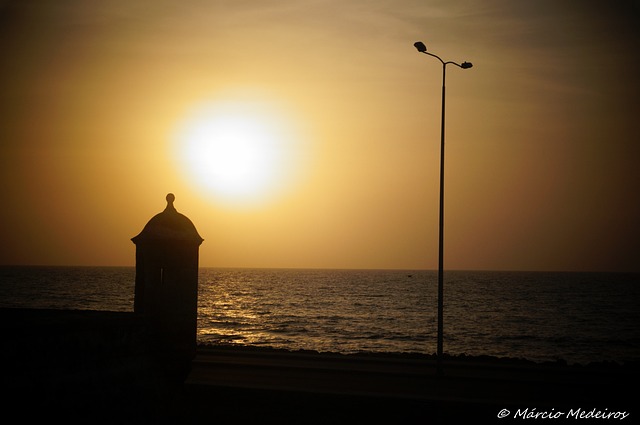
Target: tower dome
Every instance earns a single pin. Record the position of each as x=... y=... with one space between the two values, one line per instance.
x=168 y=225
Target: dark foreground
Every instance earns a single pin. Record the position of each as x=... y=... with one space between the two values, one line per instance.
x=96 y=367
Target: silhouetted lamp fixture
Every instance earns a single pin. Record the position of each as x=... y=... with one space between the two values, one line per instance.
x=419 y=45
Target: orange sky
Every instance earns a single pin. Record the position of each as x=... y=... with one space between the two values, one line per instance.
x=542 y=133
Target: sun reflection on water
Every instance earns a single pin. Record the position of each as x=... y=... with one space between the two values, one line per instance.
x=297 y=309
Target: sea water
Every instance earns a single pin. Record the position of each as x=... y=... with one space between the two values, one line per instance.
x=577 y=317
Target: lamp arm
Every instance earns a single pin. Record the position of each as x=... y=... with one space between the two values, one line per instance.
x=437 y=57
x=463 y=65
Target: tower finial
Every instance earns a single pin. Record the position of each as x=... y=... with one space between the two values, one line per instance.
x=170 y=198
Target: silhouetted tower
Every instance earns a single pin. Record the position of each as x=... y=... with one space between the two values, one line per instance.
x=166 y=292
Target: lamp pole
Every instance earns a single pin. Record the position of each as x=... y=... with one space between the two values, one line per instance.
x=464 y=65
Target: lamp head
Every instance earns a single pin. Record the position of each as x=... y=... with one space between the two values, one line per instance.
x=466 y=65
x=420 y=46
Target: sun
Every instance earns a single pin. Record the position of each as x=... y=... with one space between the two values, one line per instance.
x=237 y=151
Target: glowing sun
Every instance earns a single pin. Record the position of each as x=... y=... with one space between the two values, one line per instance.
x=237 y=151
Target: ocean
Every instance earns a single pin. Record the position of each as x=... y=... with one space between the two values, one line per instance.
x=576 y=317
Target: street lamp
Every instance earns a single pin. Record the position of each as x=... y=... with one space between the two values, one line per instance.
x=419 y=45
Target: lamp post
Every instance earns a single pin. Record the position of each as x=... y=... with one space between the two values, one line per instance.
x=419 y=45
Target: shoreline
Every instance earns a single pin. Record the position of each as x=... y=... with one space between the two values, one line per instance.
x=481 y=358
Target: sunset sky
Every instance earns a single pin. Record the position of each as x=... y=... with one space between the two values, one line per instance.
x=107 y=106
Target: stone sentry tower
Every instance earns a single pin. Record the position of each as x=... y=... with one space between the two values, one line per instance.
x=166 y=290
